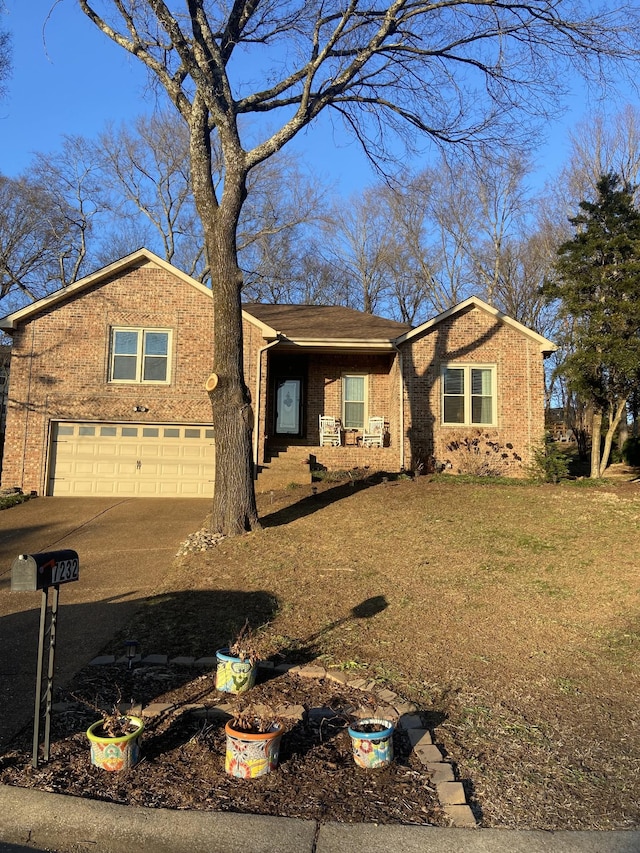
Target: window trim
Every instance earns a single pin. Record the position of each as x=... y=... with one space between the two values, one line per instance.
x=142 y=332
x=365 y=401
x=467 y=367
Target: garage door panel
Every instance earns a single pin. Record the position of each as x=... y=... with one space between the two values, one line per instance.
x=109 y=450
x=171 y=471
x=124 y=468
x=149 y=451
x=129 y=460
x=127 y=449
x=191 y=452
x=170 y=490
x=105 y=470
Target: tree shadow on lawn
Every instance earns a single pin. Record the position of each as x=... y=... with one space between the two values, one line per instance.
x=306 y=649
x=320 y=499
x=190 y=623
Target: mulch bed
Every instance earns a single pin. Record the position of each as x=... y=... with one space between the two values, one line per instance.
x=183 y=755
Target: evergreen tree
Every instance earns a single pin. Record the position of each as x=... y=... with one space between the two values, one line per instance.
x=598 y=284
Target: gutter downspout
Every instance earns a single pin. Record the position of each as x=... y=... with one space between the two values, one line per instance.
x=256 y=428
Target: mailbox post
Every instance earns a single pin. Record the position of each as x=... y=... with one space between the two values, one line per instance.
x=31 y=572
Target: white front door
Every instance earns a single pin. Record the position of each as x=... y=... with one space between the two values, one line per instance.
x=288 y=399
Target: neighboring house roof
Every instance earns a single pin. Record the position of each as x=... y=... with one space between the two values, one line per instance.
x=546 y=346
x=324 y=326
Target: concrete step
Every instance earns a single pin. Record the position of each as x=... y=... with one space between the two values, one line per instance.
x=285 y=468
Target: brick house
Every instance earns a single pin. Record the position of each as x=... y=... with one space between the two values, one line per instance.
x=106 y=393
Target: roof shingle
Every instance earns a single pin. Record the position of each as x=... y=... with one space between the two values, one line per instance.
x=327 y=322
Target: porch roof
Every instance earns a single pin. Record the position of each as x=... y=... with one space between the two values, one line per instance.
x=325 y=326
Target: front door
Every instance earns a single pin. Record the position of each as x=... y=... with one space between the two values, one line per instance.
x=288 y=406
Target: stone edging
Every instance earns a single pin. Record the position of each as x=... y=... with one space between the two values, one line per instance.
x=450 y=791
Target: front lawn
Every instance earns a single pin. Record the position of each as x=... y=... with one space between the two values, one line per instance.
x=511 y=612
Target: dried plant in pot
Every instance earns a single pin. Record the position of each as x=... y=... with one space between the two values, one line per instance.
x=237 y=663
x=115 y=739
x=372 y=742
x=253 y=743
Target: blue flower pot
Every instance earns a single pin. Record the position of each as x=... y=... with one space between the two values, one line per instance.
x=372 y=750
x=234 y=675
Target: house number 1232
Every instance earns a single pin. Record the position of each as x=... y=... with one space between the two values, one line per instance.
x=67 y=570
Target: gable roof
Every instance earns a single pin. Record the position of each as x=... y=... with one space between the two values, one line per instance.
x=324 y=326
x=135 y=259
x=546 y=346
x=307 y=326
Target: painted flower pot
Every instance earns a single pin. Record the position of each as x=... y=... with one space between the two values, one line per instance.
x=115 y=753
x=234 y=675
x=249 y=755
x=372 y=749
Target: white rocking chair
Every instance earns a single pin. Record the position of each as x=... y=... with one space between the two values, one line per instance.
x=373 y=434
x=329 y=431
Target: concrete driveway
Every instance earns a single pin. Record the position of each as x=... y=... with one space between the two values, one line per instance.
x=125 y=546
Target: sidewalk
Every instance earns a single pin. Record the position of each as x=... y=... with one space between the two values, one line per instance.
x=69 y=825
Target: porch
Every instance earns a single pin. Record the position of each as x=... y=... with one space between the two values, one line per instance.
x=351 y=388
x=295 y=463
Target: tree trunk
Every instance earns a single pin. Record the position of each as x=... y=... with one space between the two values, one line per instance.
x=596 y=430
x=234 y=502
x=623 y=434
x=614 y=422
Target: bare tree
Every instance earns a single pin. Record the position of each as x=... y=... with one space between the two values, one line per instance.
x=601 y=144
x=73 y=186
x=146 y=171
x=414 y=262
x=405 y=65
x=35 y=234
x=450 y=213
x=356 y=246
x=5 y=58
x=497 y=182
x=283 y=206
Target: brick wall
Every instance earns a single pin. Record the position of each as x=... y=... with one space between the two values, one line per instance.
x=253 y=342
x=60 y=361
x=325 y=387
x=473 y=337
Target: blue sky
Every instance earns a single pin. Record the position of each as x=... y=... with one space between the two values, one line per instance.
x=70 y=79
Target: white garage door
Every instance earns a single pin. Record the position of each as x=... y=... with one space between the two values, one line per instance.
x=146 y=460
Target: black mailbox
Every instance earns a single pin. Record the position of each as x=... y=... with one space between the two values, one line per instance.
x=40 y=571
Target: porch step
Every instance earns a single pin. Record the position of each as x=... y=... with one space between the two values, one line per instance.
x=286 y=466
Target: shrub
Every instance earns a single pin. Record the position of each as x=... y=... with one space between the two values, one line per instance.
x=548 y=463
x=631 y=451
x=7 y=501
x=481 y=455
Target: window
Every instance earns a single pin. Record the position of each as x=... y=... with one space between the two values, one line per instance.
x=468 y=394
x=140 y=355
x=354 y=401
